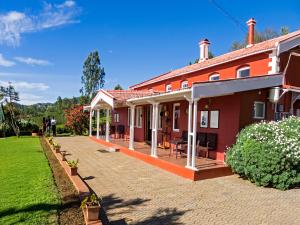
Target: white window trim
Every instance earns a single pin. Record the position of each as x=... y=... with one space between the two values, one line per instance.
x=117 y=118
x=184 y=84
x=241 y=69
x=139 y=114
x=174 y=105
x=168 y=88
x=264 y=110
x=213 y=76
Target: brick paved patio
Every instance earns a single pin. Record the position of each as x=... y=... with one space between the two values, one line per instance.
x=137 y=193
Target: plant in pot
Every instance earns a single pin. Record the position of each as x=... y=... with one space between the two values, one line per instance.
x=56 y=147
x=92 y=206
x=63 y=155
x=73 y=166
x=50 y=140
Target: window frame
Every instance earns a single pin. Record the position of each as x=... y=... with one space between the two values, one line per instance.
x=116 y=117
x=173 y=126
x=214 y=75
x=160 y=118
x=168 y=86
x=254 y=111
x=242 y=69
x=139 y=117
x=184 y=84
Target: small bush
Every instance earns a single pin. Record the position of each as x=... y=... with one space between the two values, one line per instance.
x=61 y=129
x=268 y=153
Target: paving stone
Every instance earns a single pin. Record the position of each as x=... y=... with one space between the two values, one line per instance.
x=139 y=193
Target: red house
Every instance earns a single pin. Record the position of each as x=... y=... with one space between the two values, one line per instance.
x=198 y=110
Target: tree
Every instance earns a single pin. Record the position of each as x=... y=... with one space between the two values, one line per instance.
x=77 y=120
x=93 y=75
x=265 y=35
x=118 y=87
x=10 y=96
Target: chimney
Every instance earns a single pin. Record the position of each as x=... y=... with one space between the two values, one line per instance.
x=204 y=50
x=251 y=23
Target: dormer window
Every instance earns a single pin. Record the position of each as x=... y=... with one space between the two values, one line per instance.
x=184 y=84
x=214 y=77
x=243 y=72
x=168 y=88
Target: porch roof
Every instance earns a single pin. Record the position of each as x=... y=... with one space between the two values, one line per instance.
x=116 y=98
x=230 y=86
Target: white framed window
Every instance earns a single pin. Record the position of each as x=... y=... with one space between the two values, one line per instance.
x=117 y=117
x=160 y=117
x=184 y=84
x=168 y=88
x=243 y=72
x=139 y=117
x=176 y=116
x=128 y=116
x=259 y=110
x=214 y=77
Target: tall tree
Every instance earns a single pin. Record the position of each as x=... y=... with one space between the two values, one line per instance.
x=118 y=87
x=93 y=75
x=265 y=35
x=11 y=96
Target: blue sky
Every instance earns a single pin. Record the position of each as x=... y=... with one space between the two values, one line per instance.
x=43 y=43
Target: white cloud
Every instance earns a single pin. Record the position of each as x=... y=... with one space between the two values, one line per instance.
x=29 y=99
x=32 y=61
x=5 y=62
x=23 y=85
x=13 y=24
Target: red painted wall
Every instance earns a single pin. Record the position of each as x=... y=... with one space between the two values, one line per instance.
x=258 y=66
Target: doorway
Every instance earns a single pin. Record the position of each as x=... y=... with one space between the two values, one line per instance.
x=148 y=126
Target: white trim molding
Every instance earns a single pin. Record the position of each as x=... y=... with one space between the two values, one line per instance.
x=274 y=63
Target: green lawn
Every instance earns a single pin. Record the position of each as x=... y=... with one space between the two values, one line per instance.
x=27 y=191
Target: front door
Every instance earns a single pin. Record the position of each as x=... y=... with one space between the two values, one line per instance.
x=148 y=126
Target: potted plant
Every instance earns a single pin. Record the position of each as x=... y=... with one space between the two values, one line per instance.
x=73 y=166
x=92 y=206
x=50 y=140
x=63 y=156
x=56 y=147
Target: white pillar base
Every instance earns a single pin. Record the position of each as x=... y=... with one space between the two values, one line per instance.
x=191 y=168
x=154 y=156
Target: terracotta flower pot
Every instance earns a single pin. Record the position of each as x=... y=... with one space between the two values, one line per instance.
x=34 y=134
x=73 y=171
x=63 y=157
x=57 y=150
x=92 y=212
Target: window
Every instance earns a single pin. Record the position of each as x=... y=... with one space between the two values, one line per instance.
x=176 y=116
x=259 y=110
x=184 y=84
x=160 y=116
x=214 y=119
x=243 y=72
x=139 y=117
x=168 y=88
x=117 y=117
x=214 y=77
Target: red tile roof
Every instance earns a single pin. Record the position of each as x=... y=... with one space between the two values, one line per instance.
x=123 y=95
x=234 y=55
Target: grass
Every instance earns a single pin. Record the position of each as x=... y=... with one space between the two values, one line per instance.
x=28 y=194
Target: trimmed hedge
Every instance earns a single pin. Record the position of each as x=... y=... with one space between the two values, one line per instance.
x=268 y=153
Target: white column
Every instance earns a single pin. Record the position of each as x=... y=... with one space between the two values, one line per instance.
x=91 y=118
x=190 y=134
x=131 y=136
x=98 y=122
x=193 y=166
x=107 y=126
x=155 y=117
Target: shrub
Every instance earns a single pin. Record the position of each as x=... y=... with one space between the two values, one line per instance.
x=268 y=153
x=77 y=120
x=61 y=129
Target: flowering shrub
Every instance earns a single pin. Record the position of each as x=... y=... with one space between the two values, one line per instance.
x=77 y=120
x=268 y=153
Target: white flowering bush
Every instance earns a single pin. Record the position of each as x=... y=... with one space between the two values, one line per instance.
x=268 y=153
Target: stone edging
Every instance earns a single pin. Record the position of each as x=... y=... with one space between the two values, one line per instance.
x=78 y=183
